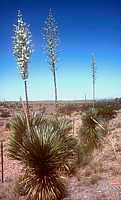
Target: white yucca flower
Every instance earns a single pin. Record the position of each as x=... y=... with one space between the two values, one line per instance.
x=22 y=48
x=51 y=40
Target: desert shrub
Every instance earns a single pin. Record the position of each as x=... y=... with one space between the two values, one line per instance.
x=68 y=109
x=18 y=105
x=106 y=110
x=1 y=110
x=7 y=125
x=1 y=103
x=46 y=152
x=5 y=113
x=85 y=106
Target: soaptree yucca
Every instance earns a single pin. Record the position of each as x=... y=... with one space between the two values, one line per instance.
x=22 y=50
x=90 y=133
x=45 y=153
x=50 y=36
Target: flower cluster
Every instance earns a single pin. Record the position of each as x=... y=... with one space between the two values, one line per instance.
x=22 y=48
x=51 y=39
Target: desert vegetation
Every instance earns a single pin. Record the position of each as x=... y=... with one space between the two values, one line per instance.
x=48 y=146
x=66 y=149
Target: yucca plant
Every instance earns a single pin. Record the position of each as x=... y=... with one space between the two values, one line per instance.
x=46 y=153
x=90 y=133
x=22 y=50
x=50 y=36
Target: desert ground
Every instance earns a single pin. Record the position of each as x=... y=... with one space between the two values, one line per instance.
x=99 y=180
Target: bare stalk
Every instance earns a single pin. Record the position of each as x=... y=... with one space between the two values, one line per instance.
x=27 y=117
x=93 y=78
x=2 y=169
x=98 y=123
x=27 y=102
x=55 y=85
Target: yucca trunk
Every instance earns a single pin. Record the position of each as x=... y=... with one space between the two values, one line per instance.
x=93 y=78
x=93 y=91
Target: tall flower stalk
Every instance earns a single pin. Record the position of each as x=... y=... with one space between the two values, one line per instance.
x=51 y=44
x=22 y=50
x=93 y=65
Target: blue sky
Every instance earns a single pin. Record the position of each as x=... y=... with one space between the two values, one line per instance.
x=85 y=27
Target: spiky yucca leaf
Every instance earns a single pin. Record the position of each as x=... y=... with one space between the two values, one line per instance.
x=18 y=125
x=61 y=123
x=52 y=187
x=44 y=153
x=63 y=128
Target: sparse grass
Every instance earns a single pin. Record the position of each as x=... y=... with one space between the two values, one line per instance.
x=96 y=167
x=94 y=179
x=118 y=125
x=8 y=191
